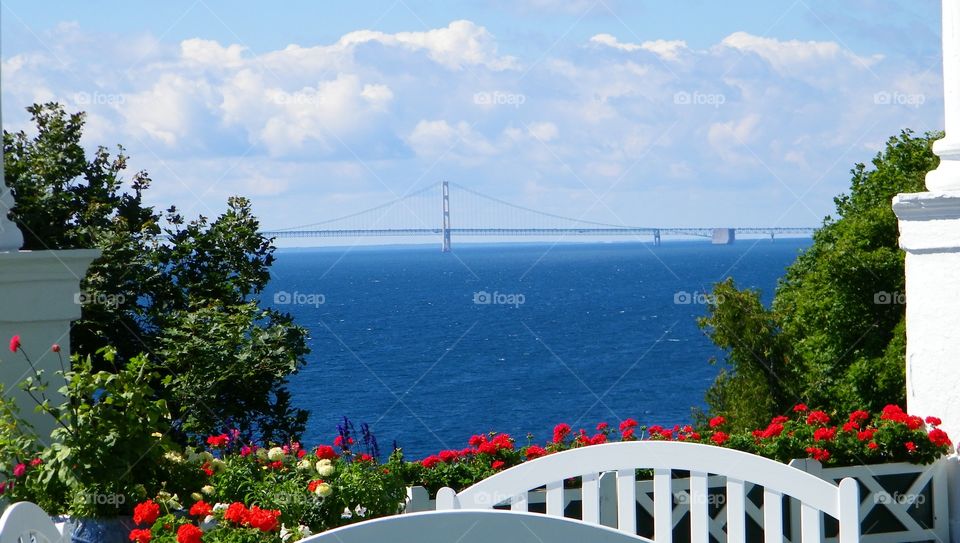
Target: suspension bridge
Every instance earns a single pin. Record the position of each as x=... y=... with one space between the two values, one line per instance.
x=427 y=212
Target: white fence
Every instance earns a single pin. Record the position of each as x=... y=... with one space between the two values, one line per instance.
x=900 y=503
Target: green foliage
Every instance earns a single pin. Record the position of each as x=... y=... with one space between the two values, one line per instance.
x=109 y=448
x=834 y=335
x=187 y=292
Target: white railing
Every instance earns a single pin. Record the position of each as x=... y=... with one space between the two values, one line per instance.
x=738 y=469
x=901 y=502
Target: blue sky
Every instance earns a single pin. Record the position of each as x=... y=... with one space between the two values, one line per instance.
x=687 y=113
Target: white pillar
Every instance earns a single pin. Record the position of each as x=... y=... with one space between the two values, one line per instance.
x=37 y=302
x=930 y=235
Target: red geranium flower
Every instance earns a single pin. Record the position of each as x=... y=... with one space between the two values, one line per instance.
x=934 y=421
x=893 y=413
x=497 y=464
x=55 y=348
x=326 y=452
x=264 y=520
x=312 y=485
x=911 y=446
x=364 y=457
x=717 y=421
x=14 y=344
x=201 y=509
x=780 y=419
x=430 y=461
x=601 y=426
x=449 y=456
x=235 y=512
x=939 y=438
x=859 y=416
x=20 y=470
x=218 y=441
x=535 y=451
x=561 y=431
x=719 y=438
x=140 y=536
x=628 y=425
x=824 y=434
x=146 y=512
x=818 y=417
x=477 y=440
x=818 y=454
x=800 y=408
x=867 y=434
x=188 y=533
x=872 y=445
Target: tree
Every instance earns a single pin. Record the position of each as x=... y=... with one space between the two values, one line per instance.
x=183 y=292
x=834 y=336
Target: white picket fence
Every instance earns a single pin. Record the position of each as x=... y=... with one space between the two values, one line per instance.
x=817 y=498
x=900 y=503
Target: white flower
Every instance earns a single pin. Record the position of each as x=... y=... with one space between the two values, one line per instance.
x=305 y=531
x=196 y=496
x=207 y=490
x=361 y=511
x=323 y=490
x=325 y=468
x=285 y=533
x=346 y=513
x=220 y=506
x=209 y=523
x=305 y=464
x=275 y=454
x=217 y=465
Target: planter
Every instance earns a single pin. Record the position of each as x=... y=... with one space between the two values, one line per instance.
x=900 y=502
x=90 y=530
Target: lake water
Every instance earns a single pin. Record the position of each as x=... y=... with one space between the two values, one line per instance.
x=430 y=348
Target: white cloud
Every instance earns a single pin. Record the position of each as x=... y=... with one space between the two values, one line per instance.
x=792 y=56
x=460 y=44
x=436 y=139
x=666 y=49
x=211 y=53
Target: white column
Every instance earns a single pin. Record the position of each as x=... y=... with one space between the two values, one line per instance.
x=38 y=299
x=930 y=235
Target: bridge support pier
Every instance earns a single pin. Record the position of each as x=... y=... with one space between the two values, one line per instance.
x=656 y=238
x=445 y=232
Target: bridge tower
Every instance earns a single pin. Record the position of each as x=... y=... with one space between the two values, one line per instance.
x=445 y=230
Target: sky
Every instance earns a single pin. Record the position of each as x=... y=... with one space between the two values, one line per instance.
x=668 y=114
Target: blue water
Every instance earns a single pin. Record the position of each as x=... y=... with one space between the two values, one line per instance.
x=398 y=341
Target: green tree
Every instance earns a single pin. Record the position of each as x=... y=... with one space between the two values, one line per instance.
x=184 y=292
x=834 y=335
